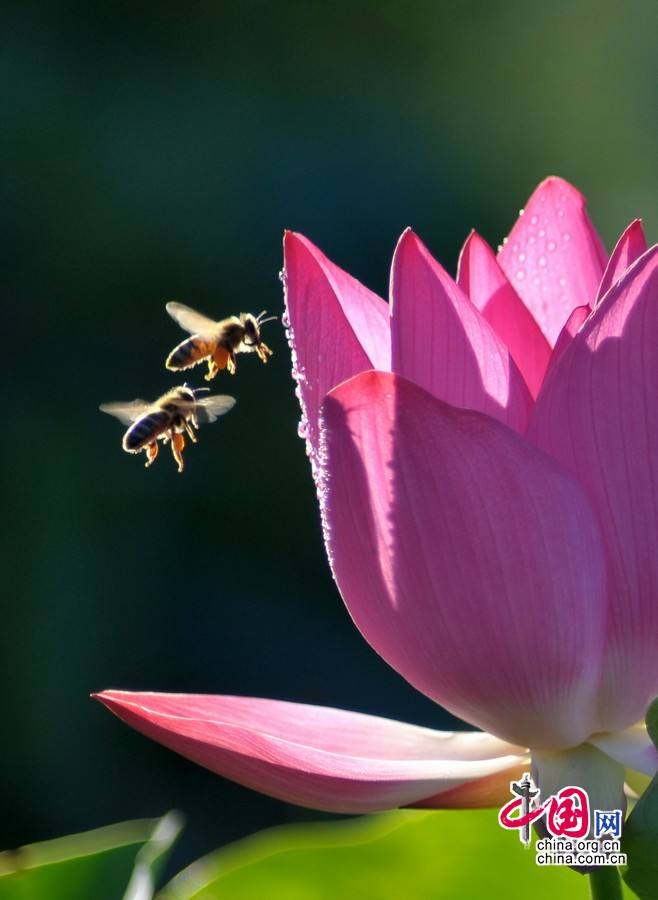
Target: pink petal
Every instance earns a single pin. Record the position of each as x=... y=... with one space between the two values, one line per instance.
x=481 y=793
x=480 y=277
x=633 y=748
x=630 y=246
x=553 y=255
x=441 y=342
x=570 y=330
x=314 y=756
x=468 y=560
x=337 y=326
x=597 y=414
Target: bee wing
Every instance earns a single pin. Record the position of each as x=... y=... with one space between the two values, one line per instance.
x=126 y=413
x=211 y=408
x=189 y=319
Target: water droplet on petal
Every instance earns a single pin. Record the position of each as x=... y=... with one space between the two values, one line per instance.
x=520 y=275
x=550 y=245
x=521 y=257
x=534 y=220
x=285 y=320
x=566 y=236
x=542 y=261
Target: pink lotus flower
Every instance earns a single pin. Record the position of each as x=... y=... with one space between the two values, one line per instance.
x=486 y=456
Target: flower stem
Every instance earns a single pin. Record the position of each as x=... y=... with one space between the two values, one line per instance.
x=605 y=883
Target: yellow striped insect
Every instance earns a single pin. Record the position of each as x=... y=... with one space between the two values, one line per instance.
x=167 y=419
x=216 y=342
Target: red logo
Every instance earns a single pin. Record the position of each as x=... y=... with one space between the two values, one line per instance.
x=566 y=814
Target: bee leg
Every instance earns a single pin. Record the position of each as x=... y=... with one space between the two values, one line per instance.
x=213 y=369
x=230 y=364
x=151 y=453
x=190 y=431
x=263 y=352
x=177 y=446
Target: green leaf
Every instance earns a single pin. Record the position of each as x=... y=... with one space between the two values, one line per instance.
x=640 y=837
x=120 y=861
x=408 y=854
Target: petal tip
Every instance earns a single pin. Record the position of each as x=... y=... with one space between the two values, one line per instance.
x=475 y=241
x=557 y=183
x=110 y=698
x=294 y=240
x=411 y=246
x=408 y=237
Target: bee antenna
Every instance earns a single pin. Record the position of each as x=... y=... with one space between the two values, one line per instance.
x=198 y=390
x=263 y=321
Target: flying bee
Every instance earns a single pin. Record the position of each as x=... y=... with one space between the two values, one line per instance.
x=169 y=418
x=216 y=342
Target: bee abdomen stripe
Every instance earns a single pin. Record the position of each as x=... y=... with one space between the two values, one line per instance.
x=145 y=430
x=187 y=354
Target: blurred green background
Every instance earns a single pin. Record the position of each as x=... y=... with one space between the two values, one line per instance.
x=157 y=151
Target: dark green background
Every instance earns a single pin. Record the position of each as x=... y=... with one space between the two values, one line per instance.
x=153 y=152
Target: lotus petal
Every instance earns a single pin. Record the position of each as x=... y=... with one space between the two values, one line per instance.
x=315 y=756
x=481 y=278
x=470 y=562
x=553 y=255
x=337 y=326
x=632 y=748
x=597 y=415
x=571 y=328
x=630 y=246
x=441 y=342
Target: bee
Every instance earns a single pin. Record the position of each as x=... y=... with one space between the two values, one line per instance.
x=216 y=342
x=168 y=419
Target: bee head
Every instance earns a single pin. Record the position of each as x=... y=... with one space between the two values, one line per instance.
x=251 y=329
x=251 y=325
x=188 y=394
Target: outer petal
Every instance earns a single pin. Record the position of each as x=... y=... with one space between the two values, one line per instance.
x=337 y=327
x=630 y=246
x=553 y=255
x=469 y=561
x=313 y=756
x=441 y=342
x=597 y=414
x=571 y=328
x=633 y=748
x=480 y=277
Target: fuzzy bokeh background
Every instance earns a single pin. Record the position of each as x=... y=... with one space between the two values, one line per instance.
x=157 y=151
